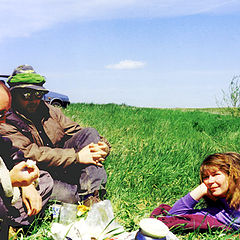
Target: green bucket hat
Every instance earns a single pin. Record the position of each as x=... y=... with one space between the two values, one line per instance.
x=24 y=76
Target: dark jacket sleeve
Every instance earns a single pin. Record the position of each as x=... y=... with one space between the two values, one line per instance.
x=10 y=154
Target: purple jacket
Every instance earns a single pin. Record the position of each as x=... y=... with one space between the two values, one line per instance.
x=221 y=211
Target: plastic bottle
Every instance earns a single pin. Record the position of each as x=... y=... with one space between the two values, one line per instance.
x=55 y=211
x=68 y=213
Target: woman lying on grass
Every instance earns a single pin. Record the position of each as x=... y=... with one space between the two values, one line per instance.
x=220 y=187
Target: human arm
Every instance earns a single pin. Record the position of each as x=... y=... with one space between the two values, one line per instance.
x=33 y=149
x=221 y=210
x=93 y=154
x=58 y=128
x=31 y=199
x=24 y=135
x=186 y=204
x=19 y=175
x=23 y=174
x=199 y=192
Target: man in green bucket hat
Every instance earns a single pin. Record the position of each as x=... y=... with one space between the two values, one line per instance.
x=24 y=76
x=71 y=154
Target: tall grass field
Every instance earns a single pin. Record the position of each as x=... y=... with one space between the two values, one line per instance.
x=155 y=157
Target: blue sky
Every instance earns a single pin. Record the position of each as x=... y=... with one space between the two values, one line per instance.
x=146 y=53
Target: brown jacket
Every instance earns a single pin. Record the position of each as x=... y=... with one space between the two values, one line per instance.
x=57 y=127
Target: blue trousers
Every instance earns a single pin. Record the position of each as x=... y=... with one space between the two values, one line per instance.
x=73 y=183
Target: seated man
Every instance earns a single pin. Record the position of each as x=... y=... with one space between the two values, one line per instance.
x=15 y=209
x=71 y=154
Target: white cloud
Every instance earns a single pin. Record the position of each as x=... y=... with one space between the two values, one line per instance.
x=126 y=64
x=22 y=18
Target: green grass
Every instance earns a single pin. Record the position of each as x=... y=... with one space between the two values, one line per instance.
x=156 y=154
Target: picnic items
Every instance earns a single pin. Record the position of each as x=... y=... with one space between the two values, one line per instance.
x=99 y=224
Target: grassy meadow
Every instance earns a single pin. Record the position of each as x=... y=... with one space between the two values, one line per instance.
x=155 y=156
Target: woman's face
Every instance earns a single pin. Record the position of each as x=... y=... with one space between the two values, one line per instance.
x=216 y=182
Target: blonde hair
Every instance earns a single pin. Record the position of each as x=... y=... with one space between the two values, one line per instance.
x=228 y=163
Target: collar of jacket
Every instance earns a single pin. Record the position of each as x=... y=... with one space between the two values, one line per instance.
x=21 y=122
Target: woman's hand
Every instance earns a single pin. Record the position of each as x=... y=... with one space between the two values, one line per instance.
x=93 y=154
x=199 y=192
x=32 y=200
x=23 y=174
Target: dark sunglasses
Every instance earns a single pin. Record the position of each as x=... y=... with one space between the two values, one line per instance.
x=29 y=96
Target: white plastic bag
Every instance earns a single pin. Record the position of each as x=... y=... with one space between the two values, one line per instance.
x=100 y=221
x=99 y=224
